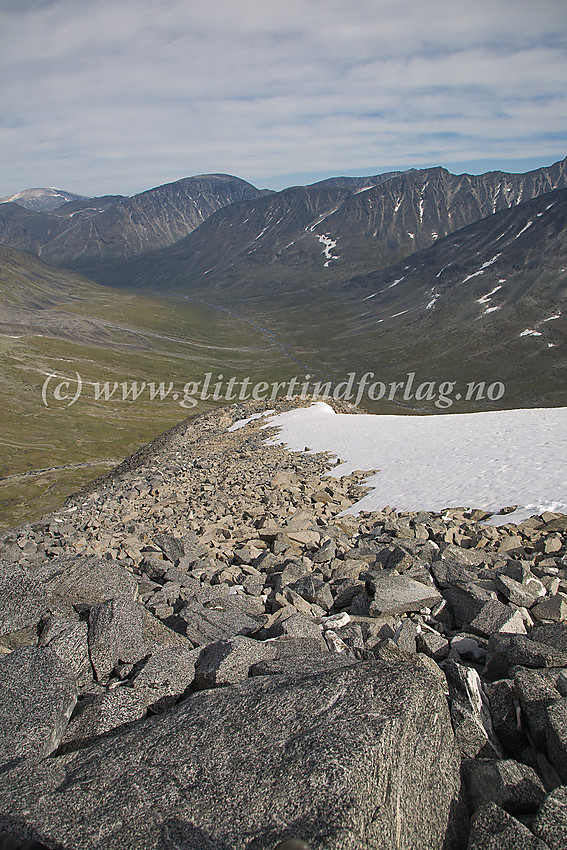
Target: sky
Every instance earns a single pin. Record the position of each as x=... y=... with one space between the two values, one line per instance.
x=493 y=460
x=117 y=96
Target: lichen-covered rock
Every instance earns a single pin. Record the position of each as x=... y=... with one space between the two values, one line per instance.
x=362 y=756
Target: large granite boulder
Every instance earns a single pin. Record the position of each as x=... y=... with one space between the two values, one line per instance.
x=362 y=756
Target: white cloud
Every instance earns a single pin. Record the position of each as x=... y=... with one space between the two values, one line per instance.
x=121 y=95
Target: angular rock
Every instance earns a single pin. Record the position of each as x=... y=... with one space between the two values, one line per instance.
x=166 y=675
x=398 y=594
x=507 y=651
x=496 y=617
x=38 y=696
x=504 y=711
x=552 y=634
x=101 y=713
x=22 y=598
x=514 y=787
x=470 y=712
x=550 y=823
x=494 y=829
x=535 y=693
x=448 y=572
x=556 y=736
x=229 y=661
x=68 y=639
x=85 y=580
x=433 y=644
x=517 y=593
x=293 y=624
x=171 y=547
x=297 y=770
x=206 y=625
x=466 y=602
x=552 y=608
x=115 y=634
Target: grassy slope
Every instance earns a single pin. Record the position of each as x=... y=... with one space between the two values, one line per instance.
x=104 y=335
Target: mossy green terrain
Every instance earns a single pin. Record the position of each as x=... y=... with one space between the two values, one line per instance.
x=54 y=323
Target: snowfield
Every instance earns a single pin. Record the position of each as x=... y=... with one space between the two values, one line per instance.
x=479 y=460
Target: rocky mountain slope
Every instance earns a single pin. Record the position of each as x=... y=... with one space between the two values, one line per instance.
x=114 y=228
x=200 y=650
x=42 y=200
x=317 y=235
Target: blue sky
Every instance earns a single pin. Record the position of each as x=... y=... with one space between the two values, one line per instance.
x=116 y=96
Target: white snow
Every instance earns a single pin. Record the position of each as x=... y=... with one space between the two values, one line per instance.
x=529 y=224
x=368 y=297
x=329 y=244
x=475 y=274
x=490 y=310
x=395 y=283
x=530 y=332
x=399 y=314
x=242 y=422
x=486 y=298
x=551 y=318
x=433 y=300
x=480 y=460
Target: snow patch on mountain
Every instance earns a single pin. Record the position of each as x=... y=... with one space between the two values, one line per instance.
x=482 y=460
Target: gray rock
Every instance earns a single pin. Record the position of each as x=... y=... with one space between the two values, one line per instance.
x=22 y=598
x=171 y=547
x=115 y=634
x=552 y=608
x=448 y=572
x=466 y=602
x=504 y=711
x=302 y=665
x=101 y=713
x=507 y=651
x=406 y=635
x=550 y=823
x=38 y=696
x=280 y=761
x=433 y=644
x=515 y=592
x=535 y=693
x=166 y=675
x=470 y=712
x=494 y=829
x=206 y=625
x=556 y=736
x=85 y=581
x=398 y=594
x=68 y=639
x=552 y=634
x=229 y=661
x=314 y=590
x=514 y=787
x=496 y=617
x=156 y=635
x=294 y=624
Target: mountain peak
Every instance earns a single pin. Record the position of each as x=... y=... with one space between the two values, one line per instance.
x=42 y=199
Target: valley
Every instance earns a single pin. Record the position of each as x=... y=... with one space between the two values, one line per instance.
x=416 y=280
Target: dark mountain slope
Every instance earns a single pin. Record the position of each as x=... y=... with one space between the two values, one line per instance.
x=318 y=236
x=104 y=229
x=484 y=304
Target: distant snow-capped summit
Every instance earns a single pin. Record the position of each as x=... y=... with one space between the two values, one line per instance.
x=42 y=200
